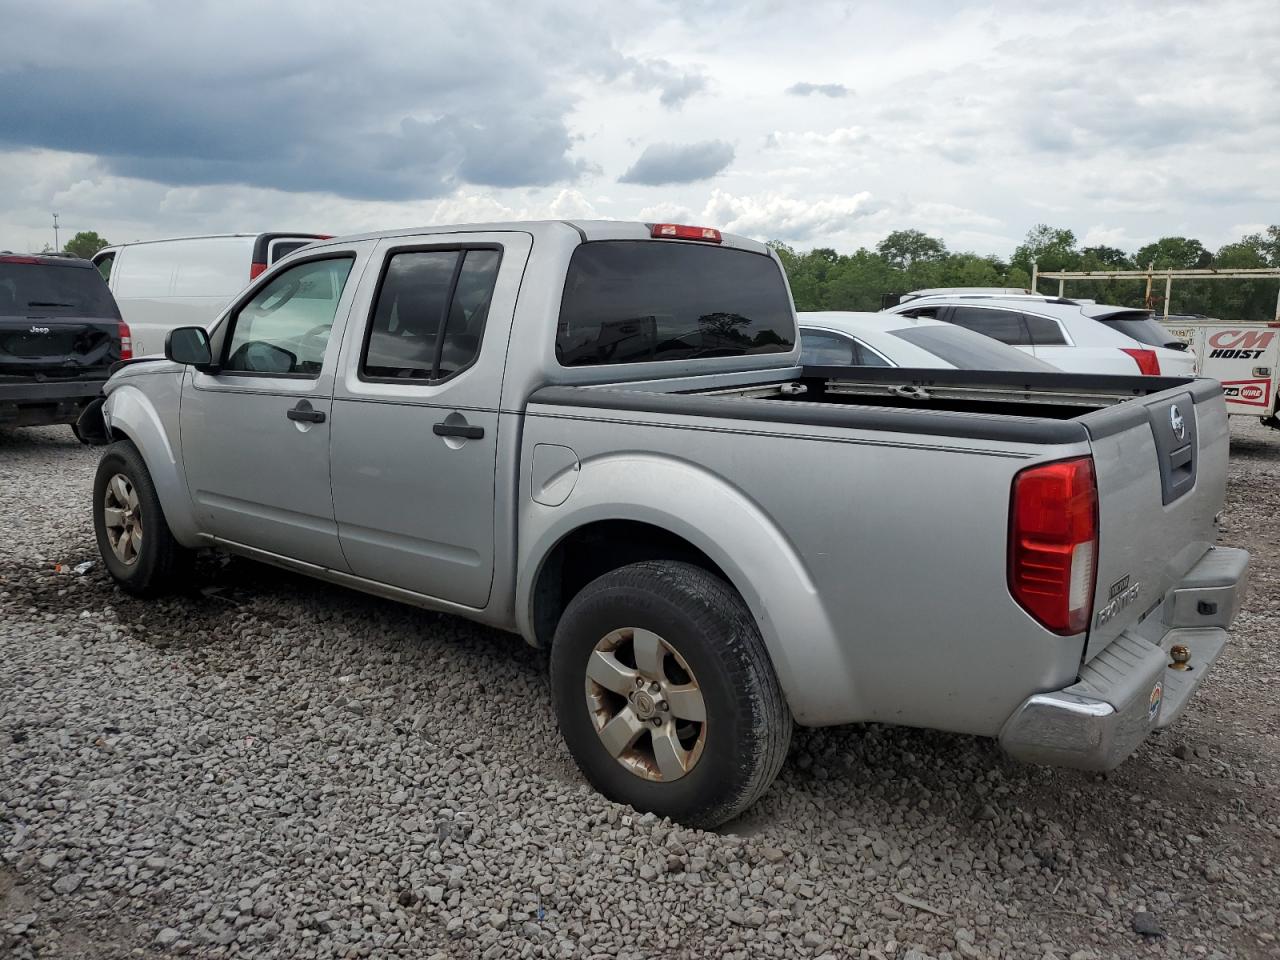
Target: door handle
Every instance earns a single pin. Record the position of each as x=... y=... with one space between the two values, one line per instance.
x=463 y=430
x=303 y=413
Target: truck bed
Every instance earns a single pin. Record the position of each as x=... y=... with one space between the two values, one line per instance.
x=982 y=405
x=912 y=470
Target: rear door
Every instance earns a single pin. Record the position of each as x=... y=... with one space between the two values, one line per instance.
x=57 y=320
x=1161 y=467
x=416 y=413
x=256 y=433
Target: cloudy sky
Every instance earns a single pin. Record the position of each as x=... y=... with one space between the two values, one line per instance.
x=820 y=123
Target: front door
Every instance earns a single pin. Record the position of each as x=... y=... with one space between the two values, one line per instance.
x=416 y=418
x=255 y=434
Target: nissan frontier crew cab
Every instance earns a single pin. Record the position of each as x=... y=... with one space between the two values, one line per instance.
x=598 y=435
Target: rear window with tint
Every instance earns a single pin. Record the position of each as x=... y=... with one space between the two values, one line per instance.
x=967 y=350
x=430 y=313
x=43 y=290
x=628 y=301
x=1144 y=329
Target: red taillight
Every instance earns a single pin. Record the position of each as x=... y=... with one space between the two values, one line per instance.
x=12 y=259
x=1053 y=543
x=679 y=231
x=1148 y=362
x=126 y=341
x=256 y=269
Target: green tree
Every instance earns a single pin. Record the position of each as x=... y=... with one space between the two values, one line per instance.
x=1173 y=253
x=1267 y=243
x=1105 y=258
x=825 y=279
x=905 y=248
x=1050 y=248
x=85 y=244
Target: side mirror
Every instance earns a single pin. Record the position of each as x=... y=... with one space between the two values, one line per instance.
x=188 y=345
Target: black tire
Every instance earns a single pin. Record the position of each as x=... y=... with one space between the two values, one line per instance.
x=161 y=561
x=748 y=724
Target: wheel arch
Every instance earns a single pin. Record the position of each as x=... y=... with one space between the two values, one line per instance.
x=130 y=415
x=709 y=523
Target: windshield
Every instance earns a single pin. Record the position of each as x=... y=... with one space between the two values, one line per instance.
x=1143 y=328
x=629 y=301
x=967 y=350
x=52 y=290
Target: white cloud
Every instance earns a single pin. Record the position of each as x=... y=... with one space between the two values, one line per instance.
x=808 y=139
x=773 y=216
x=666 y=163
x=1101 y=235
x=1116 y=118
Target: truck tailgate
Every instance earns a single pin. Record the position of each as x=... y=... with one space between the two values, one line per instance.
x=1161 y=466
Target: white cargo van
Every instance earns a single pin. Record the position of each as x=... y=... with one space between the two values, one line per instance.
x=186 y=281
x=1244 y=357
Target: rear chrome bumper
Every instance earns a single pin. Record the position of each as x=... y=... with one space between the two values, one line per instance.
x=1131 y=688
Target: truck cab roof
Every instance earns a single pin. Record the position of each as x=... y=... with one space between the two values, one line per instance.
x=587 y=230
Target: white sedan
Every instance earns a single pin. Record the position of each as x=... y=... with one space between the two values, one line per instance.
x=839 y=338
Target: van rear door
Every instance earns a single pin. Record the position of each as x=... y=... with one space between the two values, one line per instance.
x=271 y=248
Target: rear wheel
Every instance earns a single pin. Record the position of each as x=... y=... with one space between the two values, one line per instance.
x=665 y=694
x=133 y=537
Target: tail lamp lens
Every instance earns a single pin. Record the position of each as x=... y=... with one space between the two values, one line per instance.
x=1148 y=362
x=126 y=341
x=1053 y=543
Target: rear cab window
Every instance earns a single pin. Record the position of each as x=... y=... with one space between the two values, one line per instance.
x=637 y=301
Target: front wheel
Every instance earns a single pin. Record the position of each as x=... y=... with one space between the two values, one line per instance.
x=133 y=537
x=665 y=694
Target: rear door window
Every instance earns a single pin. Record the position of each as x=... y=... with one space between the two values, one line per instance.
x=104 y=263
x=864 y=356
x=1045 y=332
x=429 y=314
x=634 y=301
x=1007 y=326
x=52 y=290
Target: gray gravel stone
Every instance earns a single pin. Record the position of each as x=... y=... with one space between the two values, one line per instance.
x=185 y=775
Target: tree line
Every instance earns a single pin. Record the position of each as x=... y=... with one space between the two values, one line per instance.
x=905 y=260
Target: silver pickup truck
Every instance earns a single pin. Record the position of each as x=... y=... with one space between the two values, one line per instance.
x=597 y=435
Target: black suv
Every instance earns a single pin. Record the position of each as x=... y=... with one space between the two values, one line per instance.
x=60 y=332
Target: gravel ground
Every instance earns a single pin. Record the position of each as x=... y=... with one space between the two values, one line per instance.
x=271 y=767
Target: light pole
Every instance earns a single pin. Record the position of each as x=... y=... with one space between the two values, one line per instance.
x=55 y=233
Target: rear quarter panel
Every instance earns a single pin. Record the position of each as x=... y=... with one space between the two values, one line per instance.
x=874 y=563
